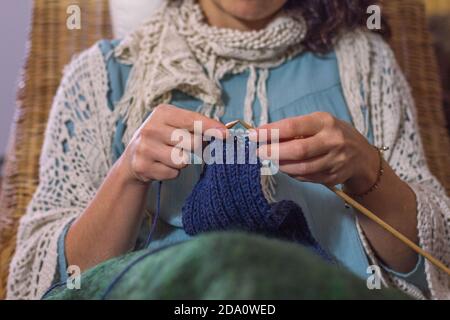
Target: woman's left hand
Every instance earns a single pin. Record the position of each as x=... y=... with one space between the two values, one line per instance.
x=320 y=148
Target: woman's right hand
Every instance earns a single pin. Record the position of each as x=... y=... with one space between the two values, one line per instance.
x=149 y=155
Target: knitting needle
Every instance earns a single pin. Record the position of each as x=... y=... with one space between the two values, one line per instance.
x=231 y=124
x=389 y=228
x=349 y=200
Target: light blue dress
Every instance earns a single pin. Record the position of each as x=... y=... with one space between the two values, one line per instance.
x=305 y=84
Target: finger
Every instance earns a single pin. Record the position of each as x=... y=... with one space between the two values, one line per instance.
x=193 y=121
x=294 y=150
x=146 y=170
x=179 y=158
x=170 y=136
x=327 y=179
x=161 y=172
x=308 y=167
x=172 y=157
x=179 y=138
x=290 y=128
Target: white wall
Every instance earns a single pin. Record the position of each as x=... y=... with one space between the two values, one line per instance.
x=15 y=18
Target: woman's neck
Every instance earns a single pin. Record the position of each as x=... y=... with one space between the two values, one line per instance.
x=218 y=17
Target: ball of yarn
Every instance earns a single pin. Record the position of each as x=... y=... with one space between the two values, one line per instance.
x=229 y=196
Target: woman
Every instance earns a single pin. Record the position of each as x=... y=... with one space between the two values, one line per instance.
x=309 y=69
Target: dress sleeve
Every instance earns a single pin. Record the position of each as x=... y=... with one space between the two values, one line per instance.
x=73 y=164
x=395 y=123
x=416 y=276
x=62 y=259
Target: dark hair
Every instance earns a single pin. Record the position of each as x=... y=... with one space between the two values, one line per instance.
x=326 y=18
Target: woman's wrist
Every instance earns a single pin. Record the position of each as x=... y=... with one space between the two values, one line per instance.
x=117 y=207
x=124 y=175
x=369 y=174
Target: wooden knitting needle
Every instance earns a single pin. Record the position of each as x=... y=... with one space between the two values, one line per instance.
x=231 y=124
x=389 y=228
x=369 y=214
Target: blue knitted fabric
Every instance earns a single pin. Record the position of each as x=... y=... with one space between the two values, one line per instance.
x=229 y=196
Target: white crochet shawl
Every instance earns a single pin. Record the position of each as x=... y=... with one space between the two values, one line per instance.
x=70 y=176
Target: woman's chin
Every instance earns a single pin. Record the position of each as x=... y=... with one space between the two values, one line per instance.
x=251 y=11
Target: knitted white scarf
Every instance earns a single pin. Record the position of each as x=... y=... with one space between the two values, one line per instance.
x=177 y=49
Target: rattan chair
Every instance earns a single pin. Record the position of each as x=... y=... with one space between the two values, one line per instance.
x=52 y=45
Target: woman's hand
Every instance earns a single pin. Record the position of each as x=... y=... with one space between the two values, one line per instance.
x=119 y=203
x=320 y=148
x=150 y=154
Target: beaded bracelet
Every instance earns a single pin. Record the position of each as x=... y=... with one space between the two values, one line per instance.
x=380 y=174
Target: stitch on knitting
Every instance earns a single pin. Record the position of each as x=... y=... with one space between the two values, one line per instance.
x=229 y=196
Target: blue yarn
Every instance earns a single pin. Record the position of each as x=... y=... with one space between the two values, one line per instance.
x=54 y=286
x=156 y=217
x=129 y=266
x=229 y=196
